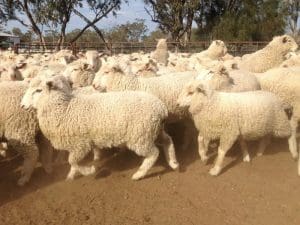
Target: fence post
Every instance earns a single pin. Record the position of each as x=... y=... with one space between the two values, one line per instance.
x=16 y=48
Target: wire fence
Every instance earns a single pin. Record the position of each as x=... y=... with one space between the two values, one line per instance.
x=235 y=48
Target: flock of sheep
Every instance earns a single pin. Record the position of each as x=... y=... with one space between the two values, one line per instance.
x=89 y=102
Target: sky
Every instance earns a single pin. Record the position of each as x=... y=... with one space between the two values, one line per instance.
x=128 y=12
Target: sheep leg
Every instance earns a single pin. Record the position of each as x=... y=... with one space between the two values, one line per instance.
x=225 y=145
x=293 y=139
x=30 y=160
x=186 y=136
x=46 y=153
x=263 y=145
x=203 y=148
x=244 y=147
x=60 y=158
x=97 y=154
x=74 y=158
x=147 y=164
x=3 y=148
x=169 y=150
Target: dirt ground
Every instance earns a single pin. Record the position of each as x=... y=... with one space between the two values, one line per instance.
x=263 y=192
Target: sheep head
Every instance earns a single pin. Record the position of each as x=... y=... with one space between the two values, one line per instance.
x=284 y=44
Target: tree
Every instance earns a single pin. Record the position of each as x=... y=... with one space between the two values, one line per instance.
x=17 y=9
x=240 y=19
x=57 y=13
x=100 y=8
x=128 y=32
x=154 y=35
x=174 y=17
x=293 y=9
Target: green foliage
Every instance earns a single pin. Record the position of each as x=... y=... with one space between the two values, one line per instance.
x=154 y=35
x=129 y=32
x=246 y=20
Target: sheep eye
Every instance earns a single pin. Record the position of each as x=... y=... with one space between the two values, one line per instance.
x=190 y=93
x=38 y=90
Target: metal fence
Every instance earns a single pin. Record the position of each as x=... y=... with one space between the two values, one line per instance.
x=234 y=48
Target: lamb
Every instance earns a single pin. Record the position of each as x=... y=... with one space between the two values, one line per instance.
x=270 y=56
x=19 y=129
x=130 y=119
x=233 y=116
x=285 y=83
x=161 y=53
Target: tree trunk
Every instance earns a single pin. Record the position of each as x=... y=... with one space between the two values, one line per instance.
x=98 y=31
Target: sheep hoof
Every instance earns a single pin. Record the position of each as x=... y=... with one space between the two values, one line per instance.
x=22 y=181
x=138 y=175
x=48 y=169
x=259 y=154
x=204 y=159
x=215 y=171
x=246 y=158
x=295 y=157
x=174 y=165
x=3 y=153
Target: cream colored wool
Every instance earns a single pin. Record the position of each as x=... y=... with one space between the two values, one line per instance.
x=232 y=81
x=270 y=56
x=285 y=83
x=19 y=128
x=79 y=123
x=93 y=59
x=215 y=51
x=233 y=116
x=161 y=53
x=167 y=88
x=80 y=74
x=293 y=60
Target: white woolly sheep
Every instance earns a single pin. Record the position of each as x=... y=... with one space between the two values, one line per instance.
x=167 y=88
x=161 y=53
x=215 y=51
x=285 y=83
x=100 y=121
x=93 y=59
x=19 y=129
x=10 y=73
x=80 y=74
x=270 y=56
x=233 y=81
x=233 y=116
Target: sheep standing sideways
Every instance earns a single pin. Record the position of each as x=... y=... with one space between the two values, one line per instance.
x=167 y=88
x=82 y=122
x=233 y=116
x=19 y=129
x=270 y=56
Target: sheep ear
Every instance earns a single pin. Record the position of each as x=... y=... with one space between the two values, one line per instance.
x=234 y=66
x=20 y=65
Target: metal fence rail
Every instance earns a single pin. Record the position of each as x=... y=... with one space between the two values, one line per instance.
x=234 y=48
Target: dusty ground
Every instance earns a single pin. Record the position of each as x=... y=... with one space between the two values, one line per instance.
x=265 y=191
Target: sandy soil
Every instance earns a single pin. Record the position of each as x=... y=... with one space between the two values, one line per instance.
x=265 y=191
